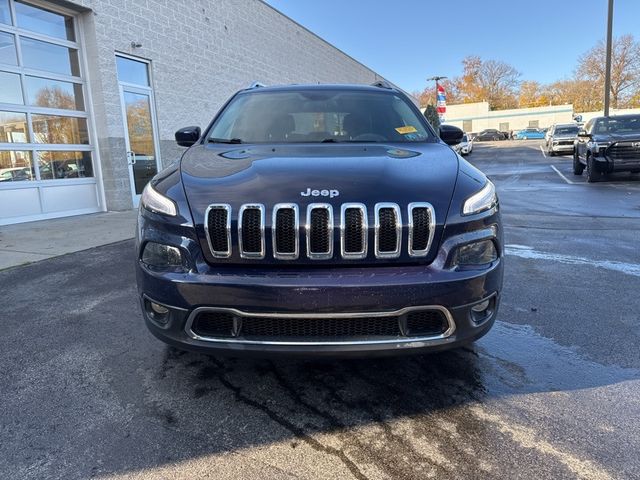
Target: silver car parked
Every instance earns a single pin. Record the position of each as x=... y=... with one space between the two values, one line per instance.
x=561 y=139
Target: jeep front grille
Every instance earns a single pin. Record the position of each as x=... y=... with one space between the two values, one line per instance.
x=287 y=227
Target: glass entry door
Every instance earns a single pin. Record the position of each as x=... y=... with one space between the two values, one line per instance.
x=139 y=118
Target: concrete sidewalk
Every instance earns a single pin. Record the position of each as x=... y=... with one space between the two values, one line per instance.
x=34 y=241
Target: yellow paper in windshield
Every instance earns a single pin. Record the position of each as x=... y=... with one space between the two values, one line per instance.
x=405 y=130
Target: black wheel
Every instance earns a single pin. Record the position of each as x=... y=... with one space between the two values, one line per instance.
x=551 y=153
x=578 y=168
x=592 y=174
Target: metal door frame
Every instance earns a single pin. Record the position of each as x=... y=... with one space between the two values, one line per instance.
x=141 y=90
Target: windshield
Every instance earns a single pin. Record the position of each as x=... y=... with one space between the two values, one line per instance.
x=313 y=116
x=566 y=130
x=618 y=125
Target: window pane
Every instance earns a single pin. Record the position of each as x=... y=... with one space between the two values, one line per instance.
x=11 y=91
x=132 y=71
x=55 y=165
x=13 y=127
x=45 y=92
x=5 y=14
x=43 y=21
x=15 y=166
x=50 y=57
x=56 y=129
x=7 y=49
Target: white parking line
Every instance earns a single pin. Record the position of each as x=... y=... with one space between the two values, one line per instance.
x=561 y=175
x=542 y=150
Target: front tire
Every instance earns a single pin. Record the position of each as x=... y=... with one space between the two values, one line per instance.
x=592 y=175
x=578 y=168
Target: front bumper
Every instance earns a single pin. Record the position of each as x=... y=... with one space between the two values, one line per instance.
x=606 y=164
x=562 y=148
x=330 y=291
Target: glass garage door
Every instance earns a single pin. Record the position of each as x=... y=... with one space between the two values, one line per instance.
x=46 y=164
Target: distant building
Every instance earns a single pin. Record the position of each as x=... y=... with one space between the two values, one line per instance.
x=475 y=117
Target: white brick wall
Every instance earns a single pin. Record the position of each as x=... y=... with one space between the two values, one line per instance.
x=201 y=53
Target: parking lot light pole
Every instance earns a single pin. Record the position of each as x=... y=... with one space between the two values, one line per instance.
x=607 y=73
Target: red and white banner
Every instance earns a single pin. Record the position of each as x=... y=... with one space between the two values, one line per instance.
x=441 y=105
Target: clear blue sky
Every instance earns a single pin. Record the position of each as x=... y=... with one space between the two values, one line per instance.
x=411 y=40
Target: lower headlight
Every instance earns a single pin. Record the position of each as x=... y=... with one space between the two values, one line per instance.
x=158 y=255
x=476 y=253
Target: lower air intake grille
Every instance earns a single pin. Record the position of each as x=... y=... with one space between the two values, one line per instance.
x=426 y=322
x=213 y=324
x=314 y=328
x=225 y=323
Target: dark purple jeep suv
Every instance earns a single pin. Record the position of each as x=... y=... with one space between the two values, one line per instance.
x=319 y=220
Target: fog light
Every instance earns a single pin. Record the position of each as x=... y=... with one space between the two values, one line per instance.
x=161 y=256
x=479 y=308
x=157 y=312
x=160 y=309
x=476 y=253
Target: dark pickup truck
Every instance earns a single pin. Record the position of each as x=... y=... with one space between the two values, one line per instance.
x=319 y=220
x=607 y=145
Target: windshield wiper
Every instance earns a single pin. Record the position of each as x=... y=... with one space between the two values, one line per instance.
x=329 y=140
x=225 y=140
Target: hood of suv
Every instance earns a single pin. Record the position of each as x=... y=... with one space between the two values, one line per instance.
x=333 y=174
x=616 y=137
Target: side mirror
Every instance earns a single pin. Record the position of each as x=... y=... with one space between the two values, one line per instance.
x=187 y=136
x=451 y=135
x=583 y=133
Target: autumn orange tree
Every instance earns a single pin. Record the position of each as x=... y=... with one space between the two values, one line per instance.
x=498 y=83
x=492 y=81
x=625 y=69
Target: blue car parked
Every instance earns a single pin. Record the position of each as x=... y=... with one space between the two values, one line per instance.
x=529 y=133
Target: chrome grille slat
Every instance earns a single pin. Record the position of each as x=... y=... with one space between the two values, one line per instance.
x=388 y=230
x=319 y=229
x=422 y=225
x=217 y=228
x=251 y=230
x=285 y=231
x=354 y=230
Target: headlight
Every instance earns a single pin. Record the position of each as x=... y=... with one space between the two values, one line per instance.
x=156 y=202
x=158 y=255
x=476 y=253
x=485 y=199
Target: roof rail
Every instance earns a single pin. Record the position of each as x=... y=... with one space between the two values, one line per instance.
x=382 y=84
x=256 y=85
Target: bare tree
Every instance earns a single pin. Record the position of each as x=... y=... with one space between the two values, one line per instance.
x=499 y=81
x=492 y=81
x=625 y=68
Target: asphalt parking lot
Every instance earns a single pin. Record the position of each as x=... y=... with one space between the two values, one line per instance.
x=551 y=392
